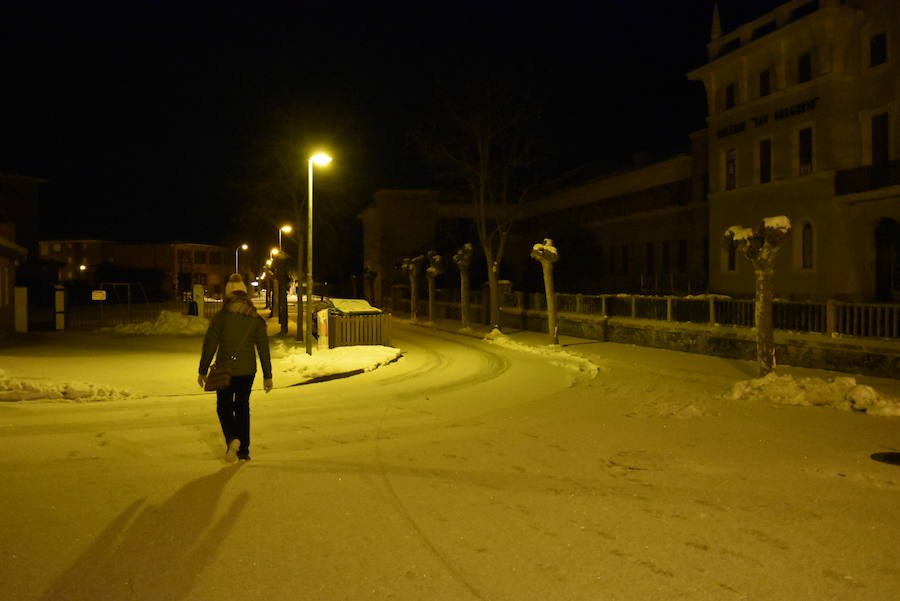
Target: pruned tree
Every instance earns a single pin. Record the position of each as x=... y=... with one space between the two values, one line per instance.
x=369 y=276
x=462 y=258
x=412 y=266
x=760 y=246
x=546 y=254
x=434 y=269
x=484 y=143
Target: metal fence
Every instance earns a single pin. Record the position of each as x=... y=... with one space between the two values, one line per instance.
x=352 y=330
x=103 y=314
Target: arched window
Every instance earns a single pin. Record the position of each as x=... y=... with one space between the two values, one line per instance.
x=807 y=246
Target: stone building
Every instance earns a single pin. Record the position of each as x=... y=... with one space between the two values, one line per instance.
x=802 y=121
x=803 y=112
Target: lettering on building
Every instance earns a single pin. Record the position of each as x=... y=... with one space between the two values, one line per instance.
x=782 y=113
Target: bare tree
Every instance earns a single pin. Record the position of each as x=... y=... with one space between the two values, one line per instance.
x=463 y=259
x=760 y=246
x=546 y=254
x=412 y=266
x=486 y=145
x=434 y=269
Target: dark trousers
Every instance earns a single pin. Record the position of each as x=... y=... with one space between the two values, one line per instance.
x=233 y=407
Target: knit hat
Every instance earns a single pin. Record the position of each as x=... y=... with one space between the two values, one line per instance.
x=235 y=283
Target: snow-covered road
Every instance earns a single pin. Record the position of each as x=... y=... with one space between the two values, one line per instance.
x=465 y=470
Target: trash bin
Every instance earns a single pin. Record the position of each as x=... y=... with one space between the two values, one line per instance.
x=353 y=322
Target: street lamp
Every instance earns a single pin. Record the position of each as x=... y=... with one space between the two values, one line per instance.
x=241 y=247
x=321 y=160
x=286 y=229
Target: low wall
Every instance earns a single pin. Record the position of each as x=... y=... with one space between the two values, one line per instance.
x=846 y=354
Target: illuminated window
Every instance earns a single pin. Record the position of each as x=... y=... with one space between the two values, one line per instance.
x=805 y=150
x=730 y=169
x=765 y=161
x=765 y=83
x=878 y=49
x=804 y=67
x=807 y=246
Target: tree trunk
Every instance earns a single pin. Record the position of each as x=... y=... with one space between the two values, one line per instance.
x=464 y=298
x=551 y=302
x=431 y=300
x=765 y=331
x=494 y=289
x=413 y=296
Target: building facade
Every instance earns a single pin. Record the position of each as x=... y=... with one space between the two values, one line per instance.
x=802 y=121
x=164 y=269
x=803 y=108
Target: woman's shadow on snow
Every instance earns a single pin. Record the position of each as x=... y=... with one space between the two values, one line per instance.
x=153 y=551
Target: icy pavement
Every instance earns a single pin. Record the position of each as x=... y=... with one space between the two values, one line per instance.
x=465 y=469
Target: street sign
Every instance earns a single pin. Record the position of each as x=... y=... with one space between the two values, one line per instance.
x=99 y=295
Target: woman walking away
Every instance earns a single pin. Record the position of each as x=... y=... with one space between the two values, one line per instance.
x=237 y=330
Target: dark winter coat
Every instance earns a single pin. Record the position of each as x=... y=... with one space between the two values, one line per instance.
x=237 y=321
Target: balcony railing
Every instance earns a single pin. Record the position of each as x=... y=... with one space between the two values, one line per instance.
x=869 y=177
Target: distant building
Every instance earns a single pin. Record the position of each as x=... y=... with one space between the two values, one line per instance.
x=803 y=113
x=10 y=255
x=803 y=110
x=163 y=269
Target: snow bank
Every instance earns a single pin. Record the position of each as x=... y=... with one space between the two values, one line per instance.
x=294 y=360
x=841 y=393
x=13 y=389
x=553 y=353
x=169 y=323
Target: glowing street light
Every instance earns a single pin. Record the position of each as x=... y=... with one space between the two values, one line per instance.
x=286 y=229
x=241 y=247
x=321 y=160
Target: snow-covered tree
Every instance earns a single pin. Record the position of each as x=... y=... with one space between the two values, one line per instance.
x=760 y=246
x=462 y=258
x=434 y=269
x=412 y=266
x=546 y=254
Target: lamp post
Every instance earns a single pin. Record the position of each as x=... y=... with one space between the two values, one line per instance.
x=318 y=159
x=241 y=247
x=287 y=230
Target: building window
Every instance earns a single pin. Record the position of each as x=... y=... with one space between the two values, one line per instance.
x=184 y=256
x=682 y=256
x=805 y=150
x=878 y=49
x=200 y=257
x=666 y=256
x=729 y=96
x=732 y=256
x=807 y=246
x=730 y=169
x=804 y=67
x=215 y=258
x=880 y=144
x=612 y=260
x=765 y=161
x=624 y=259
x=765 y=83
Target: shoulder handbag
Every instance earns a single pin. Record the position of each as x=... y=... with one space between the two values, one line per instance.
x=219 y=377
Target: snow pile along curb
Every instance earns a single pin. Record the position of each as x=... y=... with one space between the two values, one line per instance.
x=841 y=393
x=12 y=389
x=169 y=323
x=341 y=360
x=553 y=353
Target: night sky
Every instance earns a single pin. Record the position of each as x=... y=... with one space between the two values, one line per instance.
x=150 y=119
